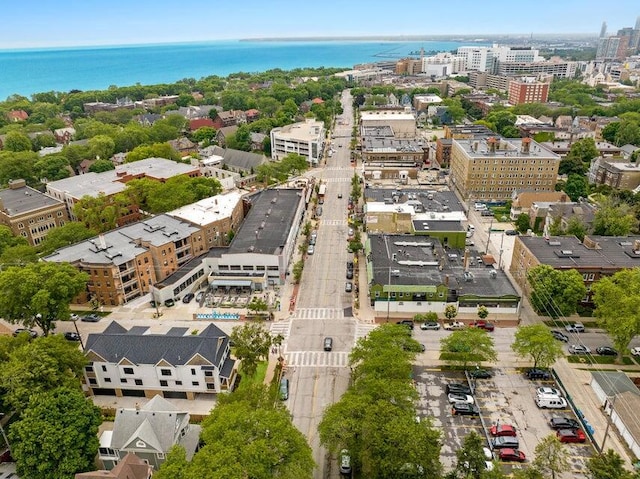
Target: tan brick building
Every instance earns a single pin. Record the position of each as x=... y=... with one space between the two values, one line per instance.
x=491 y=169
x=29 y=213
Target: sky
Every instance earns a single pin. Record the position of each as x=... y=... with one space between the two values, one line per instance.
x=46 y=23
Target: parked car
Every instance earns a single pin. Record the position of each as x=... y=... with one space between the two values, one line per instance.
x=536 y=373
x=328 y=343
x=547 y=390
x=430 y=326
x=571 y=435
x=563 y=422
x=30 y=332
x=479 y=206
x=502 y=430
x=459 y=397
x=505 y=442
x=635 y=351
x=579 y=349
x=464 y=409
x=339 y=196
x=454 y=325
x=606 y=351
x=575 y=328
x=169 y=302
x=457 y=388
x=199 y=296
x=511 y=233
x=345 y=462
x=90 y=318
x=510 y=454
x=188 y=297
x=71 y=336
x=483 y=325
x=560 y=336
x=406 y=322
x=348 y=287
x=310 y=249
x=481 y=374
x=349 y=265
x=74 y=317
x=349 y=274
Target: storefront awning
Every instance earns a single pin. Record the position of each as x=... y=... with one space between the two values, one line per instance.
x=231 y=282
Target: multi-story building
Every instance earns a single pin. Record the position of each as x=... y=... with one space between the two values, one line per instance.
x=391 y=156
x=29 y=213
x=562 y=148
x=411 y=66
x=557 y=68
x=216 y=216
x=528 y=90
x=304 y=138
x=620 y=174
x=109 y=183
x=491 y=169
x=124 y=263
x=595 y=257
x=608 y=49
x=174 y=364
x=452 y=63
x=487 y=59
x=402 y=122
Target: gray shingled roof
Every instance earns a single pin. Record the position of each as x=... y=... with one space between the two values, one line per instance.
x=116 y=343
x=25 y=199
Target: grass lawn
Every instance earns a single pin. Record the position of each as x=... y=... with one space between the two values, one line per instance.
x=258 y=377
x=577 y=358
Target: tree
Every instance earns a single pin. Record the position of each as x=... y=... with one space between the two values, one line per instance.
x=7 y=239
x=469 y=345
x=572 y=165
x=240 y=140
x=613 y=219
x=102 y=147
x=56 y=436
x=628 y=133
x=555 y=293
x=617 y=301
x=450 y=312
x=65 y=235
x=609 y=131
x=483 y=312
x=101 y=213
x=576 y=227
x=175 y=464
x=40 y=366
x=52 y=168
x=16 y=141
x=608 y=465
x=297 y=271
x=252 y=344
x=39 y=293
x=537 y=342
x=19 y=255
x=100 y=166
x=470 y=457
x=18 y=165
x=584 y=149
x=156 y=150
x=204 y=134
x=576 y=187
x=552 y=459
x=523 y=222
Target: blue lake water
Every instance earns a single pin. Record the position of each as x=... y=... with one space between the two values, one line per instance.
x=30 y=71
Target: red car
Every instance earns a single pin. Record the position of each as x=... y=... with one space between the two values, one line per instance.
x=571 y=435
x=483 y=325
x=511 y=455
x=502 y=430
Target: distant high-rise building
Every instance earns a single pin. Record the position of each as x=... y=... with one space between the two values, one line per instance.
x=634 y=44
x=603 y=30
x=608 y=48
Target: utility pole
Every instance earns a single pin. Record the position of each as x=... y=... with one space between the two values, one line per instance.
x=489 y=236
x=606 y=431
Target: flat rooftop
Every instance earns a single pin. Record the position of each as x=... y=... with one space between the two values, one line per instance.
x=504 y=148
x=566 y=252
x=430 y=201
x=386 y=115
x=375 y=144
x=309 y=130
x=22 y=200
x=267 y=225
x=602 y=146
x=109 y=183
x=426 y=225
x=209 y=210
x=379 y=131
x=419 y=260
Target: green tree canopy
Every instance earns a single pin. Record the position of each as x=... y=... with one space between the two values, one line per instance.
x=102 y=147
x=56 y=436
x=617 y=300
x=523 y=222
x=614 y=219
x=608 y=465
x=576 y=187
x=470 y=460
x=65 y=235
x=252 y=342
x=52 y=168
x=156 y=150
x=100 y=166
x=469 y=345
x=552 y=458
x=585 y=150
x=555 y=293
x=16 y=141
x=537 y=342
x=39 y=293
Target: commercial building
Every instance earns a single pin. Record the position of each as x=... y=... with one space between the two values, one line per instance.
x=487 y=59
x=109 y=183
x=594 y=258
x=557 y=68
x=123 y=263
x=491 y=169
x=408 y=275
x=528 y=90
x=30 y=214
x=385 y=156
x=305 y=139
x=175 y=364
x=401 y=122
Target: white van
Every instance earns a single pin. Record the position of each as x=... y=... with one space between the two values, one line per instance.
x=550 y=401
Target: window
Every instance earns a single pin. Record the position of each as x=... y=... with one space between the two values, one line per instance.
x=193 y=371
x=138 y=382
x=165 y=372
x=195 y=383
x=107 y=380
x=88 y=369
x=163 y=383
x=128 y=370
x=104 y=368
x=93 y=381
x=178 y=383
x=208 y=374
x=123 y=380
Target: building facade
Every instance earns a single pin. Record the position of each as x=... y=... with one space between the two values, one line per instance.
x=305 y=139
x=528 y=90
x=491 y=169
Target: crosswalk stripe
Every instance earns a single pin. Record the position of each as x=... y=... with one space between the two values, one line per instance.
x=318 y=313
x=317 y=359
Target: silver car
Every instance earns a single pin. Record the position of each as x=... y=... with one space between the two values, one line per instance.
x=579 y=349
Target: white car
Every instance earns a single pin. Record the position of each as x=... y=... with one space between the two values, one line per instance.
x=457 y=397
x=635 y=351
x=547 y=390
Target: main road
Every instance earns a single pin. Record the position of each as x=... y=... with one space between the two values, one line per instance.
x=323 y=307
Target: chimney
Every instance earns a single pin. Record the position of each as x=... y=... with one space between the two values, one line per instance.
x=491 y=142
x=526 y=145
x=17 y=184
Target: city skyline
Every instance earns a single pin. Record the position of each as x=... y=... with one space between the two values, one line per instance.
x=82 y=23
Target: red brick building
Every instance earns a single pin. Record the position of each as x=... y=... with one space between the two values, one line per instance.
x=526 y=91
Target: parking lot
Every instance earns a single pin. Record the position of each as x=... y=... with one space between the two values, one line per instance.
x=507 y=398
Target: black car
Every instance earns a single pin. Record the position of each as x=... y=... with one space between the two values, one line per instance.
x=70 y=336
x=169 y=302
x=511 y=233
x=538 y=374
x=90 y=318
x=188 y=297
x=560 y=336
x=349 y=265
x=481 y=374
x=561 y=422
x=406 y=322
x=349 y=274
x=464 y=409
x=458 y=388
x=606 y=351
x=30 y=332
